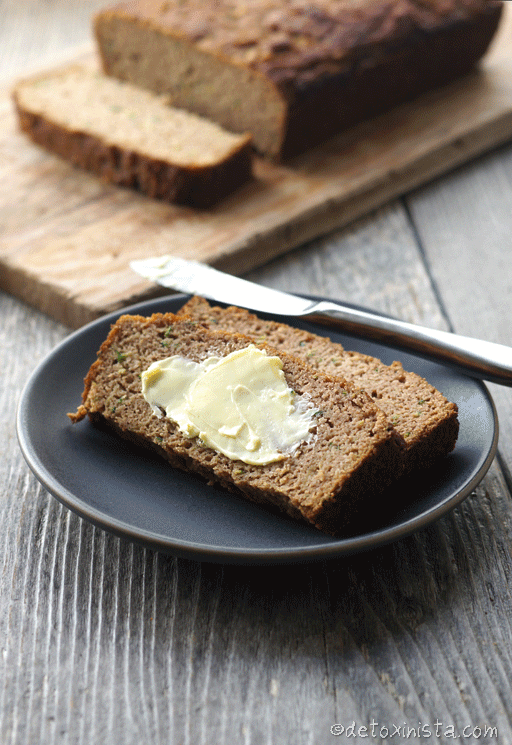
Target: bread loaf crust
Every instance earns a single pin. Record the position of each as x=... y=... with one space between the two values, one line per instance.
x=354 y=455
x=332 y=63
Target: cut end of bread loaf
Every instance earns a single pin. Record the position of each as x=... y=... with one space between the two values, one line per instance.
x=353 y=456
x=237 y=97
x=133 y=137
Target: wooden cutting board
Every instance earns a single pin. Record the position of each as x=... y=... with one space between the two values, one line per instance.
x=66 y=239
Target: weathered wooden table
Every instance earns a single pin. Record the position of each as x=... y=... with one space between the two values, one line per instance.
x=102 y=641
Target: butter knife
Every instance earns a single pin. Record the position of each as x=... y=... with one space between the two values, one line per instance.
x=480 y=359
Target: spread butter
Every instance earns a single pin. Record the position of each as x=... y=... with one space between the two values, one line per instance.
x=239 y=405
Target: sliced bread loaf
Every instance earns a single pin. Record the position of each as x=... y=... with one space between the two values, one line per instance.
x=352 y=456
x=293 y=72
x=132 y=137
x=426 y=422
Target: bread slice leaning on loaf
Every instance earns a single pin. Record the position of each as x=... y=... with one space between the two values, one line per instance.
x=132 y=137
x=293 y=72
x=352 y=456
x=424 y=419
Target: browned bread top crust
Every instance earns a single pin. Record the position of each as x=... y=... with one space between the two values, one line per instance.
x=353 y=456
x=295 y=42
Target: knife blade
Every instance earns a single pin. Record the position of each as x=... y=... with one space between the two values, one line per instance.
x=478 y=358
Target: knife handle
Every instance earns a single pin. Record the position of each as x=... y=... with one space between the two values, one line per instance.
x=479 y=359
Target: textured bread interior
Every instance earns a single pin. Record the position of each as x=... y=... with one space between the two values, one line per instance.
x=236 y=97
x=128 y=117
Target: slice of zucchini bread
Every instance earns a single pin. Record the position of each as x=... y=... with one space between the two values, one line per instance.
x=132 y=137
x=425 y=420
x=352 y=455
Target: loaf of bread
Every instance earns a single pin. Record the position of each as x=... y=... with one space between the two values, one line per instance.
x=425 y=421
x=293 y=72
x=352 y=456
x=132 y=137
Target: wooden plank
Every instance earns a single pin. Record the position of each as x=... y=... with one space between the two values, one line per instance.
x=464 y=224
x=37 y=34
x=67 y=239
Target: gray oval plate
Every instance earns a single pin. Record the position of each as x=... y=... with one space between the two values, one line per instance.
x=136 y=495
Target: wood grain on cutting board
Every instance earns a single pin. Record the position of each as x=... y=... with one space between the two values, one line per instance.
x=66 y=238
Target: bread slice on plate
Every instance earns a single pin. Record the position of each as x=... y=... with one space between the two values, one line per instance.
x=132 y=137
x=425 y=421
x=350 y=454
